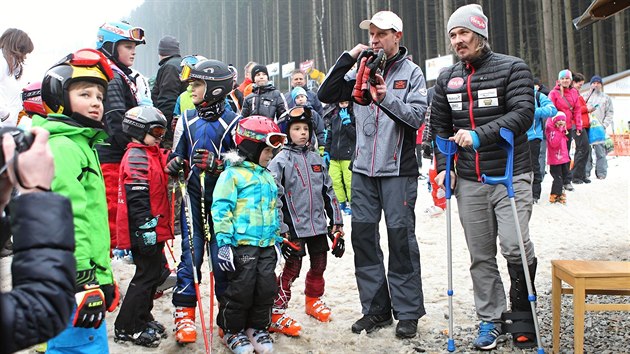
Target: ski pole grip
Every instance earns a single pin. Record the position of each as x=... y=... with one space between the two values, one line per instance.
x=507 y=144
x=448 y=148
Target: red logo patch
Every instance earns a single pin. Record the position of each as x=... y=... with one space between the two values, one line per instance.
x=316 y=168
x=478 y=22
x=400 y=84
x=456 y=83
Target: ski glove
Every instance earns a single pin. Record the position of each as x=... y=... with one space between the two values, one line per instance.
x=225 y=258
x=146 y=237
x=345 y=116
x=326 y=158
x=175 y=165
x=204 y=160
x=338 y=243
x=90 y=311
x=112 y=296
x=289 y=248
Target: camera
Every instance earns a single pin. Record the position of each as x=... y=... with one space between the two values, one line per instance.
x=23 y=141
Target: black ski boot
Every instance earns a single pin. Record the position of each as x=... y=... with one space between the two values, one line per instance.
x=520 y=320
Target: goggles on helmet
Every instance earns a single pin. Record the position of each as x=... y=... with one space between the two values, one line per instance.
x=90 y=57
x=299 y=111
x=188 y=74
x=133 y=33
x=157 y=131
x=274 y=140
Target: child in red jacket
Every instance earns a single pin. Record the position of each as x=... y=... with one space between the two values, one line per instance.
x=143 y=222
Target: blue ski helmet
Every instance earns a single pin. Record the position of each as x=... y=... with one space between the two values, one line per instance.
x=111 y=32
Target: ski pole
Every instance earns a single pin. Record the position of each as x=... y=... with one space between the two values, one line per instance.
x=189 y=220
x=448 y=148
x=507 y=144
x=206 y=230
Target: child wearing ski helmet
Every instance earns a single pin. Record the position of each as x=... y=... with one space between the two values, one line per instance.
x=308 y=200
x=206 y=133
x=118 y=41
x=247 y=225
x=143 y=222
x=73 y=91
x=32 y=105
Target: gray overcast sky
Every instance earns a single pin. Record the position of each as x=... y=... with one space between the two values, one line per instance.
x=58 y=27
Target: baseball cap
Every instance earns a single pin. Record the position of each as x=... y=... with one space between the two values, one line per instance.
x=383 y=20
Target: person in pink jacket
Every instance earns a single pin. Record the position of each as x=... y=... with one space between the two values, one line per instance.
x=566 y=99
x=557 y=155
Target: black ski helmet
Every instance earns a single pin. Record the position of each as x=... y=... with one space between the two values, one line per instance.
x=217 y=76
x=299 y=114
x=142 y=120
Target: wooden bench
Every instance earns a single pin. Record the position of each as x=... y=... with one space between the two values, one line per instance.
x=586 y=277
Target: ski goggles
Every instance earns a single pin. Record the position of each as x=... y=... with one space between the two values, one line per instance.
x=157 y=131
x=300 y=111
x=89 y=58
x=136 y=33
x=274 y=140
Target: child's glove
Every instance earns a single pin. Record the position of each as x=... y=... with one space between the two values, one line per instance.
x=326 y=158
x=175 y=165
x=91 y=308
x=204 y=160
x=112 y=296
x=345 y=116
x=225 y=258
x=146 y=238
x=289 y=248
x=338 y=243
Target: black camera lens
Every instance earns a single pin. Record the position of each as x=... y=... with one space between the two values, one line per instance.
x=23 y=141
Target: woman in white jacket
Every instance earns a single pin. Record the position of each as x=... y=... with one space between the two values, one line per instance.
x=15 y=44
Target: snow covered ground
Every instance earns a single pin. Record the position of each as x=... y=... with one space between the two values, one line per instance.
x=595 y=224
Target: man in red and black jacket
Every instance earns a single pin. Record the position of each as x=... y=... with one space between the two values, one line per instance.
x=474 y=98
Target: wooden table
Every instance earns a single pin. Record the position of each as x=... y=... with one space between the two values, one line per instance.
x=586 y=277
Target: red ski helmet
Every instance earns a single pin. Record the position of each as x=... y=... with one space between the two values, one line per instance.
x=32 y=99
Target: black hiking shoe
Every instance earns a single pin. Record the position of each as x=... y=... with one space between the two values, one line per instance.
x=148 y=338
x=406 y=328
x=158 y=327
x=371 y=323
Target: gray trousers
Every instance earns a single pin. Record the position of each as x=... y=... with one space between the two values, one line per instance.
x=485 y=213
x=601 y=164
x=401 y=289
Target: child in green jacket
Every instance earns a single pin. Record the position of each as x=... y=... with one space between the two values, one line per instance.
x=73 y=91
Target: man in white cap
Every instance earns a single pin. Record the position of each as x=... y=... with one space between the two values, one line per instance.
x=473 y=99
x=385 y=177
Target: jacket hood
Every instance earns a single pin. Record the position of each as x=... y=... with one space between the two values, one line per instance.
x=60 y=124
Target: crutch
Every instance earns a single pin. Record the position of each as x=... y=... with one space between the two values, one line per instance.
x=206 y=230
x=189 y=220
x=507 y=144
x=448 y=148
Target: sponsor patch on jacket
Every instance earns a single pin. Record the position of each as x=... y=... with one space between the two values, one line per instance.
x=400 y=84
x=487 y=93
x=489 y=102
x=454 y=97
x=455 y=83
x=317 y=168
x=456 y=106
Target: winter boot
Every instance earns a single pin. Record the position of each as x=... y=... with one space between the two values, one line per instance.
x=371 y=323
x=282 y=323
x=347 y=209
x=553 y=198
x=158 y=327
x=147 y=338
x=238 y=343
x=185 y=329
x=317 y=308
x=520 y=321
x=562 y=199
x=261 y=340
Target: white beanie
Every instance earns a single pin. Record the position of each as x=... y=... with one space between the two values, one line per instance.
x=470 y=17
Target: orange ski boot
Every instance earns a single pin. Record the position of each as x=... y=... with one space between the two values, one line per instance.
x=317 y=308
x=282 y=323
x=185 y=329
